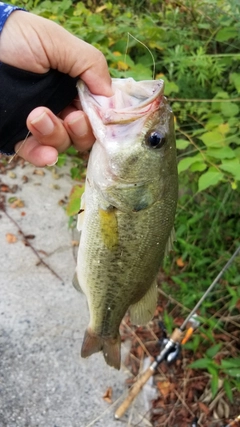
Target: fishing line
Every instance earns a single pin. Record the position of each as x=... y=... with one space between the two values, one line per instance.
x=149 y=51
x=182 y=327
x=19 y=148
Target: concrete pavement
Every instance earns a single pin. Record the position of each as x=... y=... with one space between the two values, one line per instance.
x=43 y=380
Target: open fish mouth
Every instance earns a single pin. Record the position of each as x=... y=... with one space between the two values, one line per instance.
x=131 y=100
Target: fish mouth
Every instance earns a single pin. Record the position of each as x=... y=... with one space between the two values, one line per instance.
x=131 y=100
x=127 y=115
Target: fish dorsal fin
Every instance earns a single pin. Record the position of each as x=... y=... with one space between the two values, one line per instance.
x=81 y=213
x=142 y=312
x=169 y=245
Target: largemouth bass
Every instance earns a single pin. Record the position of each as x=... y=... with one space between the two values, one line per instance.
x=127 y=212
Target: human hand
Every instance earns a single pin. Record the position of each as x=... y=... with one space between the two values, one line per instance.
x=36 y=44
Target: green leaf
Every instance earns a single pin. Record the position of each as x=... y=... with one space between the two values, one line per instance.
x=94 y=21
x=72 y=151
x=201 y=364
x=73 y=205
x=237 y=153
x=212 y=139
x=170 y=87
x=229 y=109
x=212 y=351
x=62 y=157
x=184 y=164
x=182 y=144
x=198 y=166
x=221 y=153
x=214 y=121
x=209 y=178
x=233 y=372
x=222 y=94
x=139 y=72
x=235 y=79
x=76 y=173
x=226 y=33
x=228 y=390
x=214 y=382
x=231 y=166
x=231 y=363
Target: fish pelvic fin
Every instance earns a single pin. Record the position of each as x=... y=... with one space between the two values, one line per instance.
x=142 y=312
x=76 y=283
x=170 y=242
x=111 y=347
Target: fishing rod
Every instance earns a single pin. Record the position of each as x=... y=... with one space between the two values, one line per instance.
x=172 y=347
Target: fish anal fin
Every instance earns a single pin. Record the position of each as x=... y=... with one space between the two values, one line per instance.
x=111 y=348
x=142 y=311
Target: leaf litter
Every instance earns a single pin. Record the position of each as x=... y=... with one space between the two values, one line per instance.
x=184 y=394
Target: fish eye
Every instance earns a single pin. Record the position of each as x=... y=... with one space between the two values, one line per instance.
x=155 y=139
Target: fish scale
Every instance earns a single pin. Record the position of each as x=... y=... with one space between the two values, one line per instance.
x=128 y=209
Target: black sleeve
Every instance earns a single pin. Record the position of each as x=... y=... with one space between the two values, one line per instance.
x=22 y=91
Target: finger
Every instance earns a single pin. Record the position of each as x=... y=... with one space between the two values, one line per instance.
x=35 y=153
x=79 y=130
x=51 y=135
x=48 y=129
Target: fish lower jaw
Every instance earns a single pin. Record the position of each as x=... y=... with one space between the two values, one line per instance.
x=111 y=347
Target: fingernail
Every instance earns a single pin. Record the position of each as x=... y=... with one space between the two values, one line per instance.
x=52 y=164
x=43 y=124
x=78 y=126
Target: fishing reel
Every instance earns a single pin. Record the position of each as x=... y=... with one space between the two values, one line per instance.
x=174 y=348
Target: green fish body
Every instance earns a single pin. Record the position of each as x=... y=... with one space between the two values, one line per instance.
x=128 y=208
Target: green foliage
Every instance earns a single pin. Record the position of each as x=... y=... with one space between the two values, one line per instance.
x=74 y=200
x=77 y=165
x=227 y=370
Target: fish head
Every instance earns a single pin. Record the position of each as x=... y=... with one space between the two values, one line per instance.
x=135 y=151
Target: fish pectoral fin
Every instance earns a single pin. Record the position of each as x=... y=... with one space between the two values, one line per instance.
x=171 y=239
x=75 y=282
x=142 y=312
x=111 y=347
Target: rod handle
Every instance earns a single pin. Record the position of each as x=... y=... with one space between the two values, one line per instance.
x=134 y=390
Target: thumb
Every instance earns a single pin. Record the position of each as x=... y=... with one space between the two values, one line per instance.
x=44 y=44
x=75 y=57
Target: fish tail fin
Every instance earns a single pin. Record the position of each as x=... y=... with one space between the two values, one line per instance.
x=112 y=351
x=92 y=343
